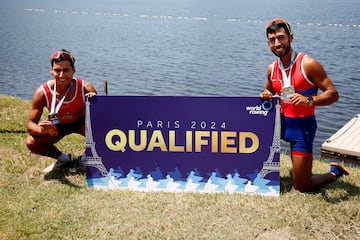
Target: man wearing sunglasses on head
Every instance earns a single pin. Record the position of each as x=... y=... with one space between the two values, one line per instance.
x=64 y=97
x=296 y=78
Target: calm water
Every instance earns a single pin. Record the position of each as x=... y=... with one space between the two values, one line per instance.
x=179 y=47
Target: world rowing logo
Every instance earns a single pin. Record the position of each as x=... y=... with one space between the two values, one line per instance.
x=262 y=109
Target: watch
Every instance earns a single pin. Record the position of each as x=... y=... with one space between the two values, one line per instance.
x=311 y=100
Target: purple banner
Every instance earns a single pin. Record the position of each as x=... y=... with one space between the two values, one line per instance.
x=179 y=144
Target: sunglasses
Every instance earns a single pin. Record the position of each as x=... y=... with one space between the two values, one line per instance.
x=62 y=56
x=280 y=22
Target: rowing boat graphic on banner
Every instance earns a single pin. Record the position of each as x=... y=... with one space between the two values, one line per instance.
x=183 y=144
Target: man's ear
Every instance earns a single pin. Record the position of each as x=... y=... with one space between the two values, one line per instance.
x=291 y=37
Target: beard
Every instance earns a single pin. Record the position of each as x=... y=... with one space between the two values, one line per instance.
x=287 y=50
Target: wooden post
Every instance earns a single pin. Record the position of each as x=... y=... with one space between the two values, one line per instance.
x=105 y=88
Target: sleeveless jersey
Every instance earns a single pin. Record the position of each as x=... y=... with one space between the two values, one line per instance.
x=72 y=110
x=301 y=84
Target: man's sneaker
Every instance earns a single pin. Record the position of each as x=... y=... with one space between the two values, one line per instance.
x=78 y=162
x=338 y=170
x=57 y=165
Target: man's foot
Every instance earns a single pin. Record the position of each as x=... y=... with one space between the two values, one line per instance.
x=79 y=163
x=338 y=170
x=58 y=165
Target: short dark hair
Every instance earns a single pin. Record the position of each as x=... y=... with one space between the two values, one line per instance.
x=277 y=23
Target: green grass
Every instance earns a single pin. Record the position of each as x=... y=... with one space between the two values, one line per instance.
x=60 y=206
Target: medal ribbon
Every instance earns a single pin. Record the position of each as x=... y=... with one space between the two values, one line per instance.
x=55 y=109
x=287 y=78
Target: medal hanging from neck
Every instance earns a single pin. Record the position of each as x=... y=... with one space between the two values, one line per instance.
x=53 y=116
x=287 y=89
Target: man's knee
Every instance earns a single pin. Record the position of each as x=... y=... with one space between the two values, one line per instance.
x=303 y=187
x=30 y=142
x=302 y=172
x=302 y=182
x=34 y=144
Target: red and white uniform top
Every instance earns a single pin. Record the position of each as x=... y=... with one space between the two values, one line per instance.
x=72 y=110
x=301 y=83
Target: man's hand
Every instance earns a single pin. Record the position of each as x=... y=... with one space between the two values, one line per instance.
x=90 y=94
x=48 y=128
x=298 y=99
x=266 y=94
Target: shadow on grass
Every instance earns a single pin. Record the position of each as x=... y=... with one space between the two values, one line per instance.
x=62 y=174
x=12 y=131
x=339 y=191
x=286 y=184
x=333 y=192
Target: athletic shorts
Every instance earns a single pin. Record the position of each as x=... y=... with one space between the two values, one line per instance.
x=63 y=130
x=66 y=129
x=300 y=132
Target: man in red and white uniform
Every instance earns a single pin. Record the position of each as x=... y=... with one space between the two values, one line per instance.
x=73 y=110
x=296 y=79
x=64 y=97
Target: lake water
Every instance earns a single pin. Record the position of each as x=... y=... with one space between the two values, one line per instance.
x=179 y=47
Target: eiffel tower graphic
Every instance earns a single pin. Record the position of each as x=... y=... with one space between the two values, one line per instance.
x=92 y=158
x=270 y=166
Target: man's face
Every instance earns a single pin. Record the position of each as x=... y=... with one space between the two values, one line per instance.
x=63 y=72
x=279 y=42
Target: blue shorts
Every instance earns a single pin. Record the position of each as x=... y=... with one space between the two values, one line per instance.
x=300 y=132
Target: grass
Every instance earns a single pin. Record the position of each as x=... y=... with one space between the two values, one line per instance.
x=38 y=206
